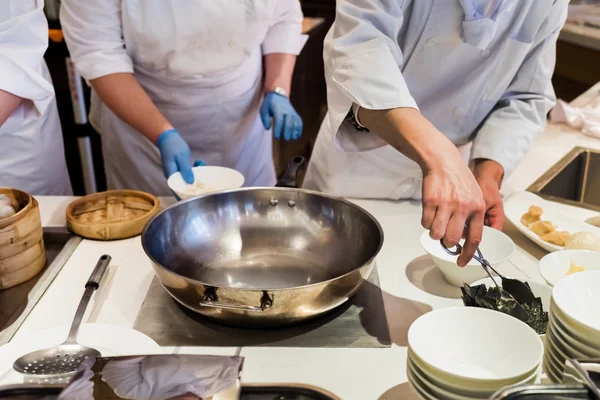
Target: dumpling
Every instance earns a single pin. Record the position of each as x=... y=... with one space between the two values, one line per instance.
x=542 y=228
x=6 y=211
x=532 y=215
x=558 y=238
x=583 y=241
x=575 y=268
x=4 y=200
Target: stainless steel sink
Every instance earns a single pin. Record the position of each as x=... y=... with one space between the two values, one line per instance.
x=574 y=180
x=17 y=302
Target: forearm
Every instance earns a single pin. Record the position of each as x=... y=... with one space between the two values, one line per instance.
x=410 y=133
x=123 y=94
x=8 y=104
x=279 y=68
x=488 y=170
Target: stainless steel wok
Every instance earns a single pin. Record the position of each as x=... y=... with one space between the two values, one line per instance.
x=262 y=257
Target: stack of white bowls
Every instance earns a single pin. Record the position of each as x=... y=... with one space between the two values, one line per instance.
x=470 y=353
x=574 y=328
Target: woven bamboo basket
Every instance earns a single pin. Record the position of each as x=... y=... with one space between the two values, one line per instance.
x=112 y=215
x=22 y=253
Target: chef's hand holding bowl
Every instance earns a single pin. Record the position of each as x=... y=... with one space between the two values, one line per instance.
x=207 y=179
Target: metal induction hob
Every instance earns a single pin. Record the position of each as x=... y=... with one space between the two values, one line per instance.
x=360 y=323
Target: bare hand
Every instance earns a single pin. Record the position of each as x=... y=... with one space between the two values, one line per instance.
x=452 y=199
x=489 y=175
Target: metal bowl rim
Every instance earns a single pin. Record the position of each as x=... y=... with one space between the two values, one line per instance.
x=251 y=189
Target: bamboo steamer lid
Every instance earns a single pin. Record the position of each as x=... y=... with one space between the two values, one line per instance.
x=22 y=252
x=111 y=215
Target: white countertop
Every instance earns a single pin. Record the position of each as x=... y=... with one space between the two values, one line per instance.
x=411 y=284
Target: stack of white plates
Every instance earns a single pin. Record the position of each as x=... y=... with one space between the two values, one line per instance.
x=469 y=353
x=574 y=328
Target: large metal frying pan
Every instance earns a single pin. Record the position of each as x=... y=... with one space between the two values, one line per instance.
x=262 y=257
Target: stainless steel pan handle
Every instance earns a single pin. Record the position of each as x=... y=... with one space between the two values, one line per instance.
x=210 y=299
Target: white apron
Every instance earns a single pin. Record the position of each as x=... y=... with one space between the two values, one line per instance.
x=216 y=113
x=32 y=155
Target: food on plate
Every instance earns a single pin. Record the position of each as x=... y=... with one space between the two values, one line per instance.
x=532 y=215
x=4 y=199
x=542 y=228
x=583 y=241
x=6 y=211
x=491 y=298
x=558 y=238
x=196 y=188
x=574 y=268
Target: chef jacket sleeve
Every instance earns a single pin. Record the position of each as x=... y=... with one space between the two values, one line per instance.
x=285 y=31
x=93 y=33
x=509 y=130
x=363 y=63
x=23 y=41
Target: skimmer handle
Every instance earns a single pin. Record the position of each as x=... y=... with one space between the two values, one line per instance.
x=91 y=285
x=98 y=272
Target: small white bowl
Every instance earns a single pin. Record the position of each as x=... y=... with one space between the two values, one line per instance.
x=213 y=179
x=495 y=246
x=577 y=298
x=480 y=348
x=554 y=266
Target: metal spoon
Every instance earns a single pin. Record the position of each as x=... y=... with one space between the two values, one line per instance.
x=65 y=358
x=512 y=296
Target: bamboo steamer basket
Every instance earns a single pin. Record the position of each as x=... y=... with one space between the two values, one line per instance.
x=111 y=215
x=22 y=252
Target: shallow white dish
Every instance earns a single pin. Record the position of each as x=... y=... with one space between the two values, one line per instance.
x=518 y=203
x=577 y=296
x=495 y=246
x=553 y=267
x=214 y=179
x=110 y=340
x=444 y=341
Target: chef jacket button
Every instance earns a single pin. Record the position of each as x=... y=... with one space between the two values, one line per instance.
x=431 y=42
x=459 y=112
x=485 y=53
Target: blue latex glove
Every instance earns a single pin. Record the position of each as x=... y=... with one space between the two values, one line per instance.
x=175 y=155
x=286 y=120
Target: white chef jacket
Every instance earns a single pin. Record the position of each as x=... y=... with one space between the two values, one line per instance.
x=31 y=145
x=479 y=70
x=200 y=62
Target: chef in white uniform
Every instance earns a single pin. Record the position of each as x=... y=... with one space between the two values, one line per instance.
x=32 y=156
x=418 y=87
x=182 y=81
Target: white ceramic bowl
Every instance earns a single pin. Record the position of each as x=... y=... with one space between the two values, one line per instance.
x=495 y=246
x=478 y=347
x=420 y=380
x=554 y=266
x=211 y=177
x=563 y=332
x=577 y=296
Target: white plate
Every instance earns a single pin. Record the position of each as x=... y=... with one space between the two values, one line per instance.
x=518 y=203
x=110 y=340
x=214 y=178
x=553 y=267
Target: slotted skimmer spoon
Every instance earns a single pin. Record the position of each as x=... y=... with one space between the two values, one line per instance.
x=513 y=291
x=65 y=358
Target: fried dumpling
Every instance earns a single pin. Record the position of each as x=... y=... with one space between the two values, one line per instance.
x=542 y=228
x=558 y=238
x=532 y=215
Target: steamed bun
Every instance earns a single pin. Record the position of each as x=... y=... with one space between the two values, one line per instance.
x=4 y=200
x=6 y=211
x=583 y=241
